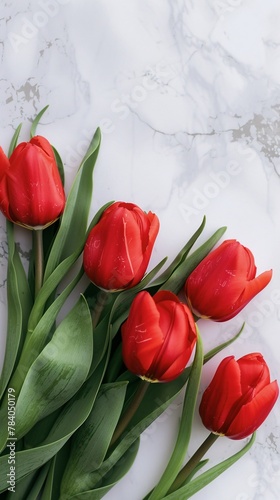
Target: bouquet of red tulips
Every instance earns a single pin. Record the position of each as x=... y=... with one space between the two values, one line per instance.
x=77 y=393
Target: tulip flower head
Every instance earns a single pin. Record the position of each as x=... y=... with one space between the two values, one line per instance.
x=158 y=336
x=239 y=397
x=31 y=191
x=119 y=246
x=224 y=282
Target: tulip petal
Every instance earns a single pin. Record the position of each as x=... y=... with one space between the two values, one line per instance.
x=224 y=282
x=113 y=256
x=254 y=372
x=43 y=144
x=253 y=414
x=177 y=366
x=109 y=261
x=164 y=295
x=179 y=339
x=34 y=188
x=221 y=395
x=141 y=334
x=147 y=249
x=253 y=287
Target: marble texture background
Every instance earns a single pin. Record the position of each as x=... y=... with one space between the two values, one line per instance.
x=187 y=95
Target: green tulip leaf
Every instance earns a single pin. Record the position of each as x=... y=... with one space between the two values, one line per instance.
x=72 y=232
x=36 y=121
x=115 y=364
x=14 y=140
x=178 y=259
x=210 y=354
x=71 y=417
x=37 y=341
x=47 y=289
x=19 y=306
x=59 y=165
x=179 y=276
x=59 y=370
x=90 y=443
x=23 y=487
x=34 y=491
x=113 y=477
x=184 y=434
x=207 y=477
x=101 y=338
x=157 y=398
x=51 y=490
x=46 y=493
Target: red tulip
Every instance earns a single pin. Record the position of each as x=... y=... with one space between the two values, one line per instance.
x=31 y=191
x=119 y=247
x=158 y=336
x=224 y=282
x=239 y=398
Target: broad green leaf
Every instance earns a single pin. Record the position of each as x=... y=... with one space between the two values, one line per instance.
x=47 y=289
x=19 y=305
x=51 y=490
x=115 y=364
x=40 y=336
x=34 y=492
x=14 y=140
x=178 y=259
x=36 y=121
x=157 y=398
x=72 y=416
x=22 y=488
x=184 y=434
x=59 y=370
x=91 y=441
x=179 y=276
x=101 y=338
x=115 y=474
x=59 y=164
x=24 y=295
x=41 y=430
x=46 y=494
x=205 y=478
x=71 y=235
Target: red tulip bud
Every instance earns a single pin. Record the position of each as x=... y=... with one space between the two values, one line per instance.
x=239 y=398
x=224 y=282
x=158 y=336
x=31 y=191
x=119 y=247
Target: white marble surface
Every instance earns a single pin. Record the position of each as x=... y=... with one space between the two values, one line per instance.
x=187 y=96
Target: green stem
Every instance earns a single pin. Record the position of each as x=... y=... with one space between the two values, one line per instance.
x=131 y=410
x=39 y=259
x=184 y=433
x=101 y=301
x=193 y=462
